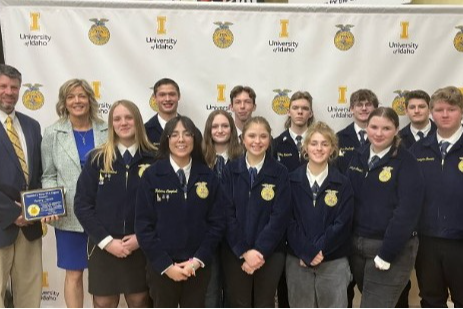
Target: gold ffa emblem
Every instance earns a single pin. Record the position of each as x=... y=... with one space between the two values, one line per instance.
x=280 y=103
x=142 y=168
x=460 y=166
x=385 y=174
x=99 y=34
x=458 y=40
x=330 y=198
x=398 y=105
x=344 y=39
x=201 y=189
x=267 y=192
x=152 y=102
x=33 y=99
x=222 y=36
x=33 y=210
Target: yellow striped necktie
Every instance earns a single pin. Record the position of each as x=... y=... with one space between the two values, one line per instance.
x=14 y=138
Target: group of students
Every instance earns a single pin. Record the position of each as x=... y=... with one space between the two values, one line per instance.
x=171 y=217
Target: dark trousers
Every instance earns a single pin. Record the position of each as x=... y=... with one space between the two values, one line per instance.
x=439 y=268
x=256 y=290
x=167 y=293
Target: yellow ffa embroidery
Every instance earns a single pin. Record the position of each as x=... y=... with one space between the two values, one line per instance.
x=201 y=189
x=355 y=168
x=425 y=159
x=33 y=210
x=385 y=174
x=267 y=192
x=330 y=198
x=281 y=154
x=460 y=166
x=142 y=168
x=342 y=151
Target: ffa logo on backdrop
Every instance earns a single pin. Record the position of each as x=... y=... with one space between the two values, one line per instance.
x=458 y=40
x=398 y=104
x=222 y=36
x=280 y=103
x=32 y=98
x=152 y=102
x=344 y=39
x=99 y=34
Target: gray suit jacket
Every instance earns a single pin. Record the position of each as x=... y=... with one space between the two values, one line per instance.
x=61 y=165
x=12 y=180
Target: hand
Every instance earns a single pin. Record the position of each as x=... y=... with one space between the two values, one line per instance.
x=49 y=219
x=130 y=242
x=21 y=222
x=254 y=258
x=190 y=266
x=247 y=269
x=317 y=259
x=302 y=263
x=177 y=273
x=116 y=248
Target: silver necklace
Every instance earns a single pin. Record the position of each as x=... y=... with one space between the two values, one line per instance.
x=83 y=136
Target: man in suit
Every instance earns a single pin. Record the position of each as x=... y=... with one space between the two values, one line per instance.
x=420 y=126
x=20 y=240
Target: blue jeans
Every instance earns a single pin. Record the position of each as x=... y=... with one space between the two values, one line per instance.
x=381 y=288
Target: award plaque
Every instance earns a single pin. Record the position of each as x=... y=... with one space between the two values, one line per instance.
x=38 y=204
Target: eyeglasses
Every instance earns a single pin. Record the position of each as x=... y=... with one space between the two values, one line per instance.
x=184 y=135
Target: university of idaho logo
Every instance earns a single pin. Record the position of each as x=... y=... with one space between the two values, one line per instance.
x=458 y=40
x=33 y=99
x=222 y=36
x=280 y=103
x=99 y=33
x=153 y=103
x=344 y=39
x=398 y=104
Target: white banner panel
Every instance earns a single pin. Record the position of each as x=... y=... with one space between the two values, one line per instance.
x=124 y=47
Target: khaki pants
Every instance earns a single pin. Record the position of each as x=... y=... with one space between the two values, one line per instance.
x=23 y=262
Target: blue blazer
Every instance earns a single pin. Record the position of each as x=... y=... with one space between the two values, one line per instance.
x=285 y=151
x=348 y=143
x=257 y=217
x=12 y=180
x=173 y=228
x=387 y=200
x=154 y=130
x=407 y=136
x=442 y=214
x=325 y=226
x=105 y=200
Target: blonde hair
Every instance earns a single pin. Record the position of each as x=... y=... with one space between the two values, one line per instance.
x=328 y=133
x=107 y=151
x=64 y=91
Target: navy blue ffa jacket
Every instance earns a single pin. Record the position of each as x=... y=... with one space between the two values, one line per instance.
x=442 y=214
x=258 y=217
x=105 y=200
x=173 y=226
x=324 y=226
x=387 y=200
x=286 y=152
x=348 y=143
x=154 y=130
x=407 y=136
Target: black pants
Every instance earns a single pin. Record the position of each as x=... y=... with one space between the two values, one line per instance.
x=256 y=290
x=167 y=293
x=439 y=268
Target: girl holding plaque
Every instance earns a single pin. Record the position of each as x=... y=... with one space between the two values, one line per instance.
x=257 y=218
x=65 y=146
x=104 y=205
x=179 y=218
x=319 y=234
x=388 y=196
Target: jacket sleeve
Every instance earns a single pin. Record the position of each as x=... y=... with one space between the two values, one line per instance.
x=85 y=202
x=273 y=232
x=50 y=174
x=145 y=226
x=234 y=231
x=410 y=194
x=215 y=222
x=339 y=231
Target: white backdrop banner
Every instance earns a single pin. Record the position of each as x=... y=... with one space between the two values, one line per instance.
x=123 y=47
